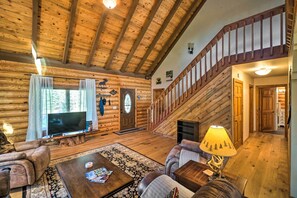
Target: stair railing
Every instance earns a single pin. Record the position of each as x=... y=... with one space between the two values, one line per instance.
x=254 y=38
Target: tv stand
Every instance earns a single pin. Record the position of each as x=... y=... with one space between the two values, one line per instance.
x=70 y=139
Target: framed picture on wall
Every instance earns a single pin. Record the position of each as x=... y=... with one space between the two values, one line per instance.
x=169 y=75
x=158 y=81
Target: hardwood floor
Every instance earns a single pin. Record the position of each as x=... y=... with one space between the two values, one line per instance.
x=262 y=159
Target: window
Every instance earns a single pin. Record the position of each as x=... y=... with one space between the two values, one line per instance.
x=60 y=101
x=127 y=103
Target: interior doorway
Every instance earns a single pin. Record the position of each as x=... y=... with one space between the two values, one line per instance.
x=238 y=112
x=272 y=109
x=127 y=109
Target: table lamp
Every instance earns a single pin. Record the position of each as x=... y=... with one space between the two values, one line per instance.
x=217 y=143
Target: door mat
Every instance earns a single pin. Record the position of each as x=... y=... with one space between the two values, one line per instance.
x=125 y=131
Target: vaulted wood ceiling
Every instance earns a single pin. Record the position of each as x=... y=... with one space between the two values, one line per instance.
x=131 y=39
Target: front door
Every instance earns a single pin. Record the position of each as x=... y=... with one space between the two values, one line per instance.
x=238 y=112
x=127 y=108
x=267 y=105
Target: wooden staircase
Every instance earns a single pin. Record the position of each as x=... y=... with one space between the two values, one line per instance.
x=256 y=38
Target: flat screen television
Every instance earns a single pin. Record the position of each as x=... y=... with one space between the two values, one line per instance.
x=59 y=123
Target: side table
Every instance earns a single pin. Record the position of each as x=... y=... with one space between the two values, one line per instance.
x=192 y=177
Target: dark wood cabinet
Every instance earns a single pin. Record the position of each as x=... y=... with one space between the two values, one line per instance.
x=187 y=129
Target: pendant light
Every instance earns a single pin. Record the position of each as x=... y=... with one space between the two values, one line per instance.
x=110 y=4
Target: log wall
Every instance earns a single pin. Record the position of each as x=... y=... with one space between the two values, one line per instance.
x=14 y=92
x=212 y=105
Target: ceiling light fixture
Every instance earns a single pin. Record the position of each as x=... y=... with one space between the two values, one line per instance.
x=263 y=71
x=110 y=4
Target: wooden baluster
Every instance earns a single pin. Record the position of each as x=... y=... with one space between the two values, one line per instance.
x=174 y=95
x=253 y=53
x=217 y=67
x=236 y=43
x=191 y=79
x=261 y=35
x=154 y=113
x=200 y=71
x=229 y=44
x=271 y=44
x=171 y=98
x=161 y=108
x=205 y=65
x=178 y=89
x=148 y=119
x=281 y=33
x=187 y=81
x=167 y=107
x=196 y=75
x=158 y=110
x=223 y=57
x=182 y=95
x=244 y=55
x=210 y=60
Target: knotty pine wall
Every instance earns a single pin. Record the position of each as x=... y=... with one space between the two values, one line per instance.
x=212 y=105
x=14 y=93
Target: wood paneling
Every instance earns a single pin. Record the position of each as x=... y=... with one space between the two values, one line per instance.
x=14 y=92
x=211 y=105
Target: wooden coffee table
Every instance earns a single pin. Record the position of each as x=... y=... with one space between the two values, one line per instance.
x=192 y=177
x=73 y=172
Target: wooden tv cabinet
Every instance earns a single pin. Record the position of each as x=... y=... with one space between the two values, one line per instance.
x=70 y=139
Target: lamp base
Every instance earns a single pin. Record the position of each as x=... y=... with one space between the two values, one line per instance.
x=215 y=163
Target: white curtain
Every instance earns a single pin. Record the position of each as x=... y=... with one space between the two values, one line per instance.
x=39 y=106
x=88 y=100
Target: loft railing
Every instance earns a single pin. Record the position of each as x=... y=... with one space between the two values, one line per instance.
x=255 y=38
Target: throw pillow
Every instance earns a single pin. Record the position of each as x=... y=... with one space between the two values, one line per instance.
x=173 y=193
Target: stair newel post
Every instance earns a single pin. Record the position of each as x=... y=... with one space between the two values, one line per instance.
x=205 y=65
x=281 y=32
x=178 y=90
x=229 y=44
x=271 y=44
x=261 y=35
x=253 y=21
x=148 y=128
x=236 y=42
x=244 y=55
x=154 y=114
x=217 y=68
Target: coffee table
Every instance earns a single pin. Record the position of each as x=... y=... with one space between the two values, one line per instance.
x=73 y=172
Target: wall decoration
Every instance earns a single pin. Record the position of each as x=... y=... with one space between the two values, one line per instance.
x=169 y=75
x=158 y=81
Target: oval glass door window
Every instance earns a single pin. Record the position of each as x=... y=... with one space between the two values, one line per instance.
x=127 y=103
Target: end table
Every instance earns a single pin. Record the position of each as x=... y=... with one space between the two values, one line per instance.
x=192 y=177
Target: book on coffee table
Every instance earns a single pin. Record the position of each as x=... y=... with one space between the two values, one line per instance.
x=99 y=175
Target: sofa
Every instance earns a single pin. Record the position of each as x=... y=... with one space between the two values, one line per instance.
x=186 y=147
x=27 y=163
x=158 y=185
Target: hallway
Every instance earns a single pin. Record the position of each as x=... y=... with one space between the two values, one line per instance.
x=263 y=160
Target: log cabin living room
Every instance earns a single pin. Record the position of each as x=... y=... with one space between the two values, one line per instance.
x=148 y=98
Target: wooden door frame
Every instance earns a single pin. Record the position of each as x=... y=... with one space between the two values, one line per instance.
x=258 y=105
x=251 y=108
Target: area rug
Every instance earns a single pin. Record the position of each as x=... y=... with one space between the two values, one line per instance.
x=133 y=163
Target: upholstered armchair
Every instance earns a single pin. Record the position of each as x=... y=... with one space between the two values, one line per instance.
x=27 y=163
x=186 y=150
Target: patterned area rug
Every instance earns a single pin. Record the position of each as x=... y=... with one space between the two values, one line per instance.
x=133 y=163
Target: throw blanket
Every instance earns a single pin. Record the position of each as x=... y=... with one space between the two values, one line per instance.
x=186 y=155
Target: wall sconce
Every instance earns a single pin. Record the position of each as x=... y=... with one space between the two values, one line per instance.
x=190 y=48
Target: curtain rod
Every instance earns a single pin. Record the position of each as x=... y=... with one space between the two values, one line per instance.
x=61 y=77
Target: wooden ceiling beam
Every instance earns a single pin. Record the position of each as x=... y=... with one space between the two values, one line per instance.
x=181 y=28
x=160 y=32
x=97 y=38
x=141 y=34
x=69 y=32
x=35 y=10
x=24 y=58
x=121 y=35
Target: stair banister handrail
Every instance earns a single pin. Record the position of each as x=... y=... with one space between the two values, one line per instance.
x=167 y=106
